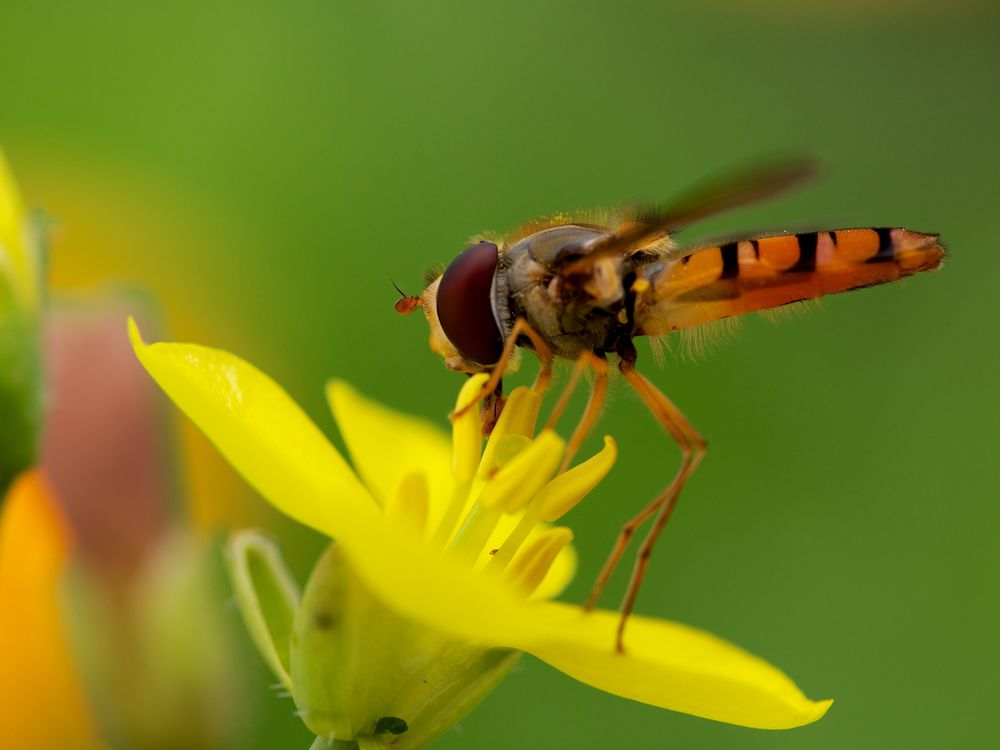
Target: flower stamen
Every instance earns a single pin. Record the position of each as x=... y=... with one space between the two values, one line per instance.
x=466 y=433
x=408 y=505
x=562 y=494
x=531 y=566
x=475 y=532
x=499 y=561
x=555 y=499
x=452 y=515
x=519 y=416
x=466 y=457
x=520 y=478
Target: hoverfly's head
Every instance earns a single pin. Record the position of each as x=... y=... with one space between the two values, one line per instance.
x=459 y=308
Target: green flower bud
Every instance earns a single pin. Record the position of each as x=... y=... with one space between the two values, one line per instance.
x=361 y=675
x=20 y=369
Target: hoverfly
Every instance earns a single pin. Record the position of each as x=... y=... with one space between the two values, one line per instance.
x=580 y=291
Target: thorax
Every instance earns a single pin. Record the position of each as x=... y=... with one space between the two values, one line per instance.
x=572 y=314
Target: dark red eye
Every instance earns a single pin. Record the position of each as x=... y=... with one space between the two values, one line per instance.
x=463 y=304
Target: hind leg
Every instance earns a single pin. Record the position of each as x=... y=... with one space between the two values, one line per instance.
x=693 y=448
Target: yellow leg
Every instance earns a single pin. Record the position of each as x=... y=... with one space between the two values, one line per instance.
x=598 y=390
x=542 y=351
x=693 y=448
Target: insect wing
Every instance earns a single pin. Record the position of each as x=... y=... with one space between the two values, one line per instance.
x=730 y=190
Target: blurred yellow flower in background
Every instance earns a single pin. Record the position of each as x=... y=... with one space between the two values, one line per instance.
x=41 y=700
x=122 y=631
x=115 y=233
x=20 y=292
x=419 y=526
x=17 y=257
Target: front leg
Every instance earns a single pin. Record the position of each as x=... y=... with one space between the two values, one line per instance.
x=542 y=351
x=492 y=407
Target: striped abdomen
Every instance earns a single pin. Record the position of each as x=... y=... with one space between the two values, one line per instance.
x=765 y=272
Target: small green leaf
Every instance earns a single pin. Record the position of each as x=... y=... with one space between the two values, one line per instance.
x=267 y=596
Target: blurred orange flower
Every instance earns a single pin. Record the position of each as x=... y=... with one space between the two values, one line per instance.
x=42 y=699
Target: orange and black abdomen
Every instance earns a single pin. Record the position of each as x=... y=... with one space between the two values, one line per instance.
x=765 y=272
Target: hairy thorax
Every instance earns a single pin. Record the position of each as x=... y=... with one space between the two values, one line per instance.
x=573 y=313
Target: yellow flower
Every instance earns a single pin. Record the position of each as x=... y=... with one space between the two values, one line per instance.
x=18 y=258
x=417 y=525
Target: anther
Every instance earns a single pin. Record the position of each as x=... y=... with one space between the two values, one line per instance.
x=525 y=474
x=466 y=436
x=409 y=503
x=519 y=417
x=532 y=565
x=563 y=493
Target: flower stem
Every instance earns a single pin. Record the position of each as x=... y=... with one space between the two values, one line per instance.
x=472 y=537
x=514 y=541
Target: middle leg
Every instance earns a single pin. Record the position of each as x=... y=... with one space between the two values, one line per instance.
x=598 y=391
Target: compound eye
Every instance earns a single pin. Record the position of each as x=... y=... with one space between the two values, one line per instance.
x=463 y=304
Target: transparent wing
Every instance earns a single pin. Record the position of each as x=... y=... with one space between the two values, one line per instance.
x=748 y=184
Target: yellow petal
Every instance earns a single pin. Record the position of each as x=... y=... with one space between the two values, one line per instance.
x=666 y=664
x=13 y=239
x=671 y=665
x=41 y=700
x=11 y=208
x=262 y=432
x=268 y=438
x=386 y=446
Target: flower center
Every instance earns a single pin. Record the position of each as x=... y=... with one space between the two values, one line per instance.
x=506 y=495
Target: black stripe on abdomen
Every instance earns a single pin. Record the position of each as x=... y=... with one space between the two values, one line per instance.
x=730 y=260
x=885 y=249
x=807 y=253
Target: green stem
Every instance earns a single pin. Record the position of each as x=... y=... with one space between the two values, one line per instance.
x=475 y=532
x=514 y=540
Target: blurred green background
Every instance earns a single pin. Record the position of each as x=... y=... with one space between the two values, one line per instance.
x=296 y=156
